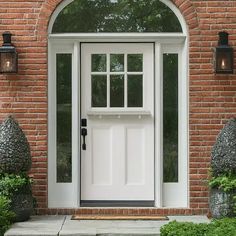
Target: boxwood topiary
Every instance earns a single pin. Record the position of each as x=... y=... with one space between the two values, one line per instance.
x=223 y=156
x=14 y=148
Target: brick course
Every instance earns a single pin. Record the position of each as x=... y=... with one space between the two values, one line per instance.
x=212 y=98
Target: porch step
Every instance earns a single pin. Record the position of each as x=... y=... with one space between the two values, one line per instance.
x=64 y=226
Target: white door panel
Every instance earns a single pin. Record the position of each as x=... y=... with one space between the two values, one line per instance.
x=118 y=163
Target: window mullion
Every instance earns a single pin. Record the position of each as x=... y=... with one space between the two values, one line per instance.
x=108 y=81
x=125 y=81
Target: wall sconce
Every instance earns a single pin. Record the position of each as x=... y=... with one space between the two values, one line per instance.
x=224 y=55
x=8 y=55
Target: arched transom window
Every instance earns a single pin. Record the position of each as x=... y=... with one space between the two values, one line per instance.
x=116 y=16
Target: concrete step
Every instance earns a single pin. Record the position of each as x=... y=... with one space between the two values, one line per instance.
x=64 y=226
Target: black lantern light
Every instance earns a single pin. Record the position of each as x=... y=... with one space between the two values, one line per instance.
x=8 y=55
x=224 y=55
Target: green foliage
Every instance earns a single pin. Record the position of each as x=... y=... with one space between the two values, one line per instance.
x=223 y=227
x=226 y=182
x=184 y=229
x=6 y=215
x=116 y=16
x=14 y=183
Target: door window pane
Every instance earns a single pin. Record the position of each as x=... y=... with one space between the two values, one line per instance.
x=99 y=63
x=117 y=91
x=170 y=117
x=64 y=150
x=117 y=62
x=135 y=62
x=135 y=90
x=99 y=91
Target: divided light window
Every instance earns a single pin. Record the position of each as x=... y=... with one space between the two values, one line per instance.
x=117 y=80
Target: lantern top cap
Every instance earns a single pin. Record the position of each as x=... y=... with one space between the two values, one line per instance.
x=6 y=38
x=223 y=38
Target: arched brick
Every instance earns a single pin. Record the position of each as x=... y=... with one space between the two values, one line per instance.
x=188 y=11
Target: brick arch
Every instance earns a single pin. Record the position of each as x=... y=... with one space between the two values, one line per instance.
x=185 y=6
x=188 y=11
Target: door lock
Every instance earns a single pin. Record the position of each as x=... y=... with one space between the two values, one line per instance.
x=84 y=122
x=84 y=134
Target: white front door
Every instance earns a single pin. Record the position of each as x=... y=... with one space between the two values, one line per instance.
x=117 y=128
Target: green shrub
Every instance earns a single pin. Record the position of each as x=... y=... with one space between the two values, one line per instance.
x=184 y=229
x=6 y=215
x=223 y=227
x=225 y=182
x=11 y=184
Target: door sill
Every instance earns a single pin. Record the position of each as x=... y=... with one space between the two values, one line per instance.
x=94 y=203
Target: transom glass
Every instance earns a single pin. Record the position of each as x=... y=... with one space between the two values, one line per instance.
x=83 y=16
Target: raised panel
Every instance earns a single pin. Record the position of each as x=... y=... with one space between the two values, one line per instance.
x=135 y=154
x=101 y=158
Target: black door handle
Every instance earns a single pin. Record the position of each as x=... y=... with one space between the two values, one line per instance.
x=84 y=134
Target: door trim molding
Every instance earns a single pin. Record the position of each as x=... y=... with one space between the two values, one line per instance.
x=57 y=192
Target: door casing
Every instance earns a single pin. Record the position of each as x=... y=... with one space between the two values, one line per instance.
x=164 y=43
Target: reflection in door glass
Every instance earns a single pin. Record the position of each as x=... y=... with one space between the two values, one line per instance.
x=135 y=90
x=99 y=63
x=117 y=62
x=63 y=73
x=117 y=91
x=99 y=91
x=135 y=62
x=170 y=117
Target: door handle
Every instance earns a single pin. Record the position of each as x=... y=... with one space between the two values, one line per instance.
x=84 y=134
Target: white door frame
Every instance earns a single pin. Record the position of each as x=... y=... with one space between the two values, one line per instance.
x=68 y=194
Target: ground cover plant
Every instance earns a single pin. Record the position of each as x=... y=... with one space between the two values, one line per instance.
x=222 y=227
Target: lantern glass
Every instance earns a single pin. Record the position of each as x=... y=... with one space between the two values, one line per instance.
x=224 y=60
x=8 y=62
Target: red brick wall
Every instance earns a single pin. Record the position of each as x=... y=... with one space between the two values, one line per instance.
x=212 y=97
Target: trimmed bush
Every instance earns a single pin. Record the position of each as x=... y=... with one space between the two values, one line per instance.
x=175 y=228
x=223 y=227
x=15 y=154
x=223 y=158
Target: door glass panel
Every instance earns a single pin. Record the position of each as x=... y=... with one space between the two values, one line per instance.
x=117 y=62
x=117 y=91
x=64 y=145
x=99 y=63
x=99 y=91
x=135 y=62
x=135 y=90
x=170 y=117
